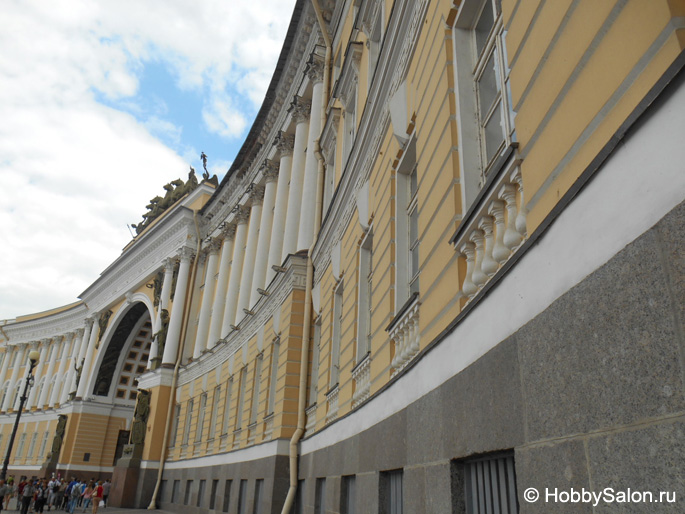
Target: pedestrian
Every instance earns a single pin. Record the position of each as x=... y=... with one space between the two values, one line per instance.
x=42 y=492
x=97 y=496
x=8 y=495
x=87 y=495
x=27 y=493
x=105 y=490
x=4 y=490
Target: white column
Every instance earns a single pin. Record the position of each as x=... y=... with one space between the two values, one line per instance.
x=80 y=355
x=49 y=374
x=300 y=112
x=31 y=402
x=176 y=319
x=59 y=385
x=311 y=167
x=284 y=143
x=164 y=298
x=66 y=388
x=15 y=375
x=207 y=293
x=270 y=178
x=241 y=217
x=257 y=197
x=221 y=286
x=22 y=380
x=10 y=351
x=81 y=391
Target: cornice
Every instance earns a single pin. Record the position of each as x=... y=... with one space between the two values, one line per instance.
x=50 y=326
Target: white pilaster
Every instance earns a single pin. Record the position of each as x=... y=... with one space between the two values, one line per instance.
x=44 y=399
x=82 y=390
x=31 y=402
x=59 y=385
x=207 y=294
x=300 y=112
x=80 y=352
x=15 y=375
x=270 y=177
x=164 y=298
x=241 y=217
x=10 y=352
x=67 y=387
x=311 y=168
x=221 y=287
x=257 y=197
x=284 y=143
x=176 y=319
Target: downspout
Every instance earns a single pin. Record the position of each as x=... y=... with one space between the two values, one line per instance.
x=304 y=359
x=179 y=358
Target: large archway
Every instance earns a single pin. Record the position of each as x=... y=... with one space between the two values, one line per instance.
x=126 y=356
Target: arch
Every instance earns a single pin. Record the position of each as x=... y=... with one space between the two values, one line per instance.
x=129 y=333
x=39 y=389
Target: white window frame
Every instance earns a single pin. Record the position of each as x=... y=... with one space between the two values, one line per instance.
x=336 y=334
x=215 y=412
x=476 y=167
x=200 y=418
x=189 y=420
x=364 y=299
x=316 y=352
x=273 y=378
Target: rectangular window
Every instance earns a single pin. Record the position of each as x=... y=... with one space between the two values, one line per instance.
x=413 y=217
x=242 y=497
x=201 y=493
x=32 y=445
x=364 y=300
x=201 y=418
x=316 y=348
x=22 y=443
x=298 y=505
x=227 y=495
x=212 y=495
x=174 y=427
x=256 y=388
x=227 y=407
x=406 y=227
x=273 y=377
x=215 y=412
x=484 y=110
x=189 y=420
x=241 y=399
x=43 y=444
x=189 y=487
x=162 y=490
x=391 y=492
x=490 y=484
x=258 y=496
x=320 y=496
x=175 y=490
x=347 y=495
x=337 y=327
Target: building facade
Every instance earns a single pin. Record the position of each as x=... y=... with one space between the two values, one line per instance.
x=445 y=267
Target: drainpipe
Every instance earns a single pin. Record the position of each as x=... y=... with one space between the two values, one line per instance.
x=304 y=360
x=179 y=358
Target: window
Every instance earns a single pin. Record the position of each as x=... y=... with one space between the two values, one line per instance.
x=337 y=327
x=189 y=488
x=241 y=399
x=227 y=495
x=43 y=444
x=390 y=500
x=175 y=490
x=22 y=443
x=212 y=497
x=32 y=445
x=320 y=496
x=489 y=484
x=275 y=352
x=364 y=300
x=258 y=496
x=256 y=388
x=174 y=427
x=227 y=408
x=316 y=349
x=242 y=497
x=201 y=493
x=298 y=505
x=485 y=115
x=189 y=420
x=407 y=226
x=215 y=411
x=346 y=90
x=201 y=417
x=347 y=495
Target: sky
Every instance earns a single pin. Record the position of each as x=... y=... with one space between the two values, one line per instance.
x=101 y=104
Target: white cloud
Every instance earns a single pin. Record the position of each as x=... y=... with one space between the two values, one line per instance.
x=74 y=173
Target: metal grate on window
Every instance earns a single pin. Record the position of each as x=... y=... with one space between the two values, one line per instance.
x=490 y=485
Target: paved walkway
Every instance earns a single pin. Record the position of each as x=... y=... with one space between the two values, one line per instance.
x=103 y=510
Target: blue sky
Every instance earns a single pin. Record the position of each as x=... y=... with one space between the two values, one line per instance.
x=103 y=104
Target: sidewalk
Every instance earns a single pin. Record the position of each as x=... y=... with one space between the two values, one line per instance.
x=79 y=510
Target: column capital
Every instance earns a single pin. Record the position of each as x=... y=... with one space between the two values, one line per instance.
x=168 y=264
x=242 y=214
x=227 y=230
x=186 y=254
x=314 y=69
x=256 y=193
x=79 y=332
x=213 y=246
x=270 y=170
x=300 y=109
x=45 y=341
x=285 y=143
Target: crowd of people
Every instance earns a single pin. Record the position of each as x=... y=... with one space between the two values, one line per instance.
x=39 y=495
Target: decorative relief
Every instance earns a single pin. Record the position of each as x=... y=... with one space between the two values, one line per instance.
x=300 y=109
x=270 y=170
x=284 y=143
x=256 y=193
x=241 y=214
x=314 y=69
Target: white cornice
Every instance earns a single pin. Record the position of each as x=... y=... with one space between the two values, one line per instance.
x=46 y=327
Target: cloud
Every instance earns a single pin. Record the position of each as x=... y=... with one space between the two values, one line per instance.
x=74 y=172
